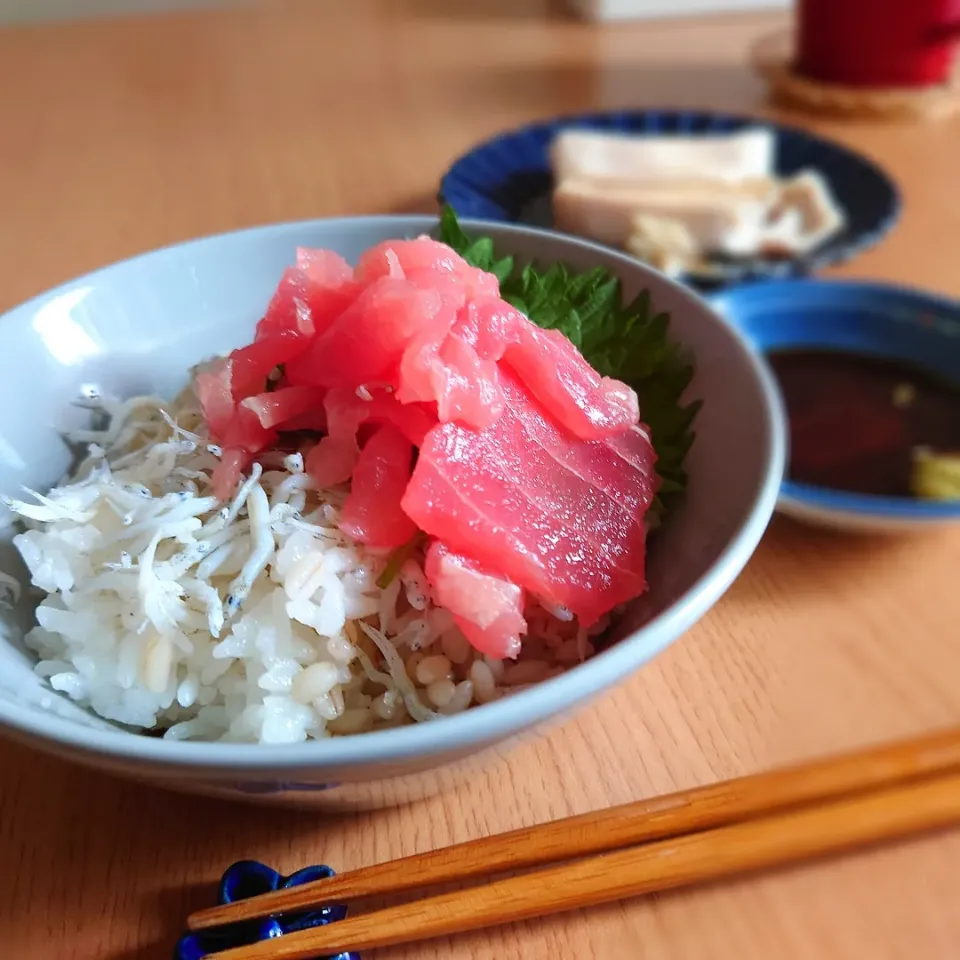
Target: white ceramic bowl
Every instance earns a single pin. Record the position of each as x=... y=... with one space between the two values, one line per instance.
x=137 y=326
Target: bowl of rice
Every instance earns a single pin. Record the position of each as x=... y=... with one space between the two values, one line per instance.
x=248 y=645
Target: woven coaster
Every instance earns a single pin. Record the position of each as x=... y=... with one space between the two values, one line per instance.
x=772 y=58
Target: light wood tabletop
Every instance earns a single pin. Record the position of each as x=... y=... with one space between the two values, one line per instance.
x=119 y=136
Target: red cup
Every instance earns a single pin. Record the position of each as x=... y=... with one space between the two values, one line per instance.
x=877 y=43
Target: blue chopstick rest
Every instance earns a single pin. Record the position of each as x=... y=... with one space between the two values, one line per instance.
x=249 y=878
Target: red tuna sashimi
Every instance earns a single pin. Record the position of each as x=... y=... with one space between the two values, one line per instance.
x=253 y=426
x=402 y=257
x=310 y=296
x=277 y=408
x=325 y=268
x=288 y=310
x=252 y=364
x=242 y=374
x=213 y=390
x=487 y=608
x=372 y=513
x=331 y=461
x=365 y=343
x=551 y=368
x=460 y=373
x=465 y=386
x=554 y=371
x=559 y=516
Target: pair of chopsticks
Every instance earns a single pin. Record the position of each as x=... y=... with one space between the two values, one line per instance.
x=708 y=833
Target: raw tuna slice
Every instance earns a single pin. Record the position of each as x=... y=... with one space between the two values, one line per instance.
x=365 y=343
x=214 y=392
x=551 y=368
x=465 y=386
x=407 y=256
x=554 y=371
x=288 y=310
x=230 y=380
x=488 y=325
x=324 y=268
x=559 y=516
x=371 y=513
x=331 y=461
x=487 y=608
x=278 y=407
x=252 y=364
x=310 y=296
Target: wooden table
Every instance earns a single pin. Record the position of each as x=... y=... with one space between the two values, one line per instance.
x=120 y=136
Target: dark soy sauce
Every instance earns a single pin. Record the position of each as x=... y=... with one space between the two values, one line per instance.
x=856 y=419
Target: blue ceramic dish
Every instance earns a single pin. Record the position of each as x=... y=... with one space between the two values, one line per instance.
x=249 y=878
x=864 y=318
x=508 y=179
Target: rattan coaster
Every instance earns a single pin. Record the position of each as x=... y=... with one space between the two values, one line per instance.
x=772 y=58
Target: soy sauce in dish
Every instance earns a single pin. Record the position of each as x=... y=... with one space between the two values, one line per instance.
x=856 y=420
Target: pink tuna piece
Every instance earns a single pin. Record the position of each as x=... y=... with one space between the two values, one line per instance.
x=252 y=364
x=488 y=608
x=371 y=513
x=310 y=296
x=424 y=253
x=459 y=372
x=554 y=371
x=279 y=407
x=215 y=393
x=465 y=387
x=551 y=368
x=332 y=460
x=229 y=380
x=489 y=325
x=324 y=267
x=365 y=343
x=559 y=516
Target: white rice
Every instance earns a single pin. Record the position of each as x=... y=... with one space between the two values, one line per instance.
x=256 y=620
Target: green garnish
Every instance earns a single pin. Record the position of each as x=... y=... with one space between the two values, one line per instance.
x=627 y=342
x=396 y=559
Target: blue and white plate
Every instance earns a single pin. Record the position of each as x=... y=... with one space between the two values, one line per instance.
x=871 y=319
x=508 y=178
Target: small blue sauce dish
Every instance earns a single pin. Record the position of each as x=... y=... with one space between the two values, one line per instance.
x=870 y=378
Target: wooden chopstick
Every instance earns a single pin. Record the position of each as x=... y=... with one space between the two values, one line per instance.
x=645 y=820
x=790 y=837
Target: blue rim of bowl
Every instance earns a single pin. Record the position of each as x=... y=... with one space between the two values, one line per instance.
x=470 y=183
x=866 y=506
x=480 y=726
x=843 y=502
